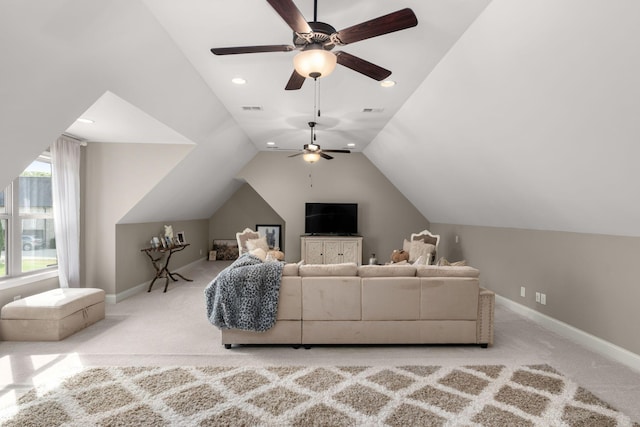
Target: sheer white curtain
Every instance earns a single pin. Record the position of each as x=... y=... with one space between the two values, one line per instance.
x=65 y=160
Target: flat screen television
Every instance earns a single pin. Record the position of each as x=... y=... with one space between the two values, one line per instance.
x=331 y=218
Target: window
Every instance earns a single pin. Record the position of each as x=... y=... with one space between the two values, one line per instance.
x=27 y=236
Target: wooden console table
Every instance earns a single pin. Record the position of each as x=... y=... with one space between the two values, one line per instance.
x=162 y=270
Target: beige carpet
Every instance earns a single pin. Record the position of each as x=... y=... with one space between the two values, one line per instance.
x=487 y=395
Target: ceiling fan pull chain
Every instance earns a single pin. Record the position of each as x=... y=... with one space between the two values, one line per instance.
x=316 y=96
x=318 y=89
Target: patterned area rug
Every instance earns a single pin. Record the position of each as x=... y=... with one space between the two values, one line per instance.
x=484 y=395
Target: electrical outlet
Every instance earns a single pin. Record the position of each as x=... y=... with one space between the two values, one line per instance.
x=523 y=292
x=17 y=297
x=543 y=299
x=537 y=296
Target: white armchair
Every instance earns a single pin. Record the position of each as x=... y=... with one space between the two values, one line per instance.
x=424 y=244
x=242 y=238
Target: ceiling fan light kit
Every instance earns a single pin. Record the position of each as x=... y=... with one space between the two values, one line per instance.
x=314 y=62
x=311 y=157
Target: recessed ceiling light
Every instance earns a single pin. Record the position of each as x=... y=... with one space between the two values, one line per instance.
x=238 y=80
x=83 y=120
x=351 y=145
x=387 y=83
x=271 y=143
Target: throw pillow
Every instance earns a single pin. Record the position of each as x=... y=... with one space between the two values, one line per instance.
x=422 y=260
x=258 y=243
x=275 y=255
x=406 y=245
x=420 y=248
x=443 y=262
x=258 y=252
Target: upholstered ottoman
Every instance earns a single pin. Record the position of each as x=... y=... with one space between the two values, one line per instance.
x=51 y=315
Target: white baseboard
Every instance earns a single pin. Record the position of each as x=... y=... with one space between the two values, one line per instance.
x=115 y=298
x=593 y=343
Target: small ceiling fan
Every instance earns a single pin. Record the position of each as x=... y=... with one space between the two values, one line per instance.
x=312 y=152
x=316 y=39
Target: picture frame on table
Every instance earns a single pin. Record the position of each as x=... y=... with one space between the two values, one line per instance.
x=273 y=233
x=180 y=238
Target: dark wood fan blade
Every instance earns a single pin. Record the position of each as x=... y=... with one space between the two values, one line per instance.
x=291 y=15
x=338 y=151
x=252 y=49
x=325 y=156
x=364 y=67
x=386 y=24
x=295 y=81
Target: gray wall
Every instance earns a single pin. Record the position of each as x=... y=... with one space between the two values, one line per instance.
x=133 y=267
x=244 y=209
x=385 y=216
x=589 y=279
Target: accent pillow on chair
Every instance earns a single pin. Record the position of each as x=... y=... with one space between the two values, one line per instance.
x=420 y=249
x=260 y=242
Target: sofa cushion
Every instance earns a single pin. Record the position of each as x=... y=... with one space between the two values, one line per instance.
x=391 y=270
x=391 y=298
x=331 y=298
x=316 y=270
x=446 y=271
x=449 y=298
x=290 y=299
x=290 y=269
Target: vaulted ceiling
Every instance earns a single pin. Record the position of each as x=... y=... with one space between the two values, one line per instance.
x=506 y=113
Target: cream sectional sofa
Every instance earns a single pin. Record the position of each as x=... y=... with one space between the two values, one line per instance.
x=371 y=304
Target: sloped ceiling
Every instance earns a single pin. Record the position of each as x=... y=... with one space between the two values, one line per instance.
x=196 y=26
x=506 y=113
x=530 y=121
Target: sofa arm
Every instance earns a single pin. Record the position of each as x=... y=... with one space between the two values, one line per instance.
x=486 y=305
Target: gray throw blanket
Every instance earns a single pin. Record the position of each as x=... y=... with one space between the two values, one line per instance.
x=245 y=295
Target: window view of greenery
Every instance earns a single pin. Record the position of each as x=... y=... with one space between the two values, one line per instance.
x=27 y=237
x=36 y=216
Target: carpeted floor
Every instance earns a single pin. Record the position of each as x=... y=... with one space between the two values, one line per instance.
x=165 y=330
x=420 y=395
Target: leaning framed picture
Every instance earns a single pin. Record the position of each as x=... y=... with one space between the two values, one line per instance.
x=273 y=234
x=226 y=249
x=180 y=238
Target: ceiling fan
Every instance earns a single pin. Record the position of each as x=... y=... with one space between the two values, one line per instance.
x=312 y=152
x=316 y=39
